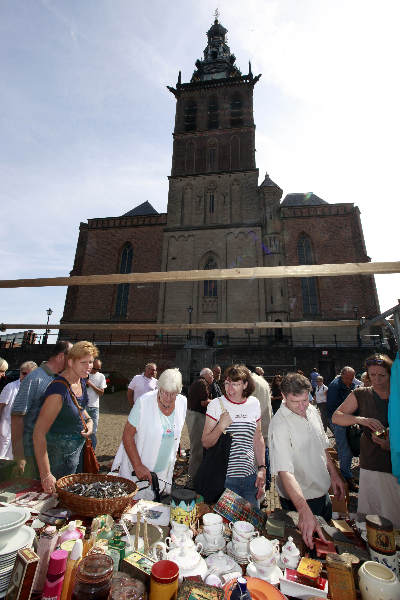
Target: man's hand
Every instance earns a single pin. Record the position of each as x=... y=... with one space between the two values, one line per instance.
x=308 y=524
x=260 y=483
x=143 y=473
x=337 y=486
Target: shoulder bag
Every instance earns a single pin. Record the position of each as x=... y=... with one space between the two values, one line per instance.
x=353 y=434
x=90 y=462
x=210 y=477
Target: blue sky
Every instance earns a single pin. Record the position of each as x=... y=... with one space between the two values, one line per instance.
x=86 y=119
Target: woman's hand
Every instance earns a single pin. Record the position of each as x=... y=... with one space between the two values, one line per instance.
x=260 y=483
x=372 y=424
x=48 y=483
x=86 y=433
x=225 y=420
x=384 y=443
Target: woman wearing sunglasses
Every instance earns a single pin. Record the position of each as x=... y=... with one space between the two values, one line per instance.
x=379 y=490
x=242 y=419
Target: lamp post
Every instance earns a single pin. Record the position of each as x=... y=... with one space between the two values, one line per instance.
x=190 y=310
x=46 y=335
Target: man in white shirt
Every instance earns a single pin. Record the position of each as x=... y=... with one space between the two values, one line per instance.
x=298 y=453
x=96 y=384
x=140 y=384
x=321 y=396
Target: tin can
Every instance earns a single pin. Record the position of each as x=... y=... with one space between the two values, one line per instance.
x=380 y=534
x=164 y=580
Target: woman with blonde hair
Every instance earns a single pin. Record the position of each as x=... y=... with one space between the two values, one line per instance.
x=59 y=436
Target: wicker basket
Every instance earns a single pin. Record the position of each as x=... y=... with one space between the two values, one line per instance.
x=91 y=507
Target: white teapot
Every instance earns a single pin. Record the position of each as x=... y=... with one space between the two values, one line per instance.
x=188 y=559
x=290 y=556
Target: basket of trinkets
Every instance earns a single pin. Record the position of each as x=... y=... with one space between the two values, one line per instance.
x=89 y=495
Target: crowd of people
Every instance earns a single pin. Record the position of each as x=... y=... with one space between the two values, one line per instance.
x=278 y=429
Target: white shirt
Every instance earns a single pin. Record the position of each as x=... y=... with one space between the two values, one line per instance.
x=321 y=392
x=141 y=385
x=7 y=397
x=99 y=381
x=297 y=445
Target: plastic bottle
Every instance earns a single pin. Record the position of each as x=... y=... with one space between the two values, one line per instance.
x=73 y=561
x=240 y=591
x=71 y=533
x=55 y=575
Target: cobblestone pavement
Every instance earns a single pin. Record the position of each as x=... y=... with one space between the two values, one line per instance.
x=113 y=416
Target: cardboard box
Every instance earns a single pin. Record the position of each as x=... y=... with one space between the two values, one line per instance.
x=23 y=575
x=138 y=566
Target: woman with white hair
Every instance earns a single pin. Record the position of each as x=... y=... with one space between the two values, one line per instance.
x=3 y=367
x=152 y=433
x=7 y=398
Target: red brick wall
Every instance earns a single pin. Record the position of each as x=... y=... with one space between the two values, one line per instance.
x=336 y=237
x=98 y=252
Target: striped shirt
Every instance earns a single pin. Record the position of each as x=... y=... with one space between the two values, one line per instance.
x=245 y=416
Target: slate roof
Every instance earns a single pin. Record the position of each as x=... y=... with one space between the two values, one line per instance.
x=143 y=209
x=308 y=199
x=268 y=182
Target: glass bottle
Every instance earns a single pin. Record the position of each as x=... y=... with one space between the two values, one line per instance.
x=93 y=577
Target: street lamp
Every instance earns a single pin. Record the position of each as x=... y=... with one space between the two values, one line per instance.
x=46 y=335
x=190 y=310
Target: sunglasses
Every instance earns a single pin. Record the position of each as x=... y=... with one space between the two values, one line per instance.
x=374 y=361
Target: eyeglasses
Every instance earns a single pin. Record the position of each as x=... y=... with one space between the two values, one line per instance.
x=235 y=384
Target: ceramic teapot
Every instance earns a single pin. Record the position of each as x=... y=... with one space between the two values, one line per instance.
x=377 y=581
x=188 y=559
x=290 y=555
x=264 y=550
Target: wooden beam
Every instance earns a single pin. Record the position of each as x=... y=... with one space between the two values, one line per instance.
x=181 y=326
x=327 y=270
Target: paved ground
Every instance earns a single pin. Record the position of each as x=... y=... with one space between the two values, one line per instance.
x=113 y=415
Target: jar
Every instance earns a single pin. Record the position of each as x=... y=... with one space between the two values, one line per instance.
x=380 y=534
x=93 y=577
x=164 y=580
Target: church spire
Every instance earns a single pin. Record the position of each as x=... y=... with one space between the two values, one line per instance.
x=218 y=62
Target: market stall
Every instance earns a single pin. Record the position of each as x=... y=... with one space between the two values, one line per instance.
x=93 y=540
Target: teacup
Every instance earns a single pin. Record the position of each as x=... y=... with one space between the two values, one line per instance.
x=216 y=529
x=243 y=530
x=210 y=519
x=240 y=548
x=263 y=550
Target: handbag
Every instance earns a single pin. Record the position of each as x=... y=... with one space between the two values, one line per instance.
x=353 y=434
x=90 y=462
x=209 y=481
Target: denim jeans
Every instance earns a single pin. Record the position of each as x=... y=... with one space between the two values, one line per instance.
x=343 y=449
x=64 y=451
x=245 y=487
x=321 y=507
x=93 y=412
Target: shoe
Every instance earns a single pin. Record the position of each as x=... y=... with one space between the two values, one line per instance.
x=352 y=485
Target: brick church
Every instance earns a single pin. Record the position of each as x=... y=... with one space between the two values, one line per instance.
x=221 y=214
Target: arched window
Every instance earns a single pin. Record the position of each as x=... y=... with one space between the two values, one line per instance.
x=308 y=284
x=213 y=120
x=278 y=331
x=210 y=287
x=190 y=115
x=125 y=266
x=236 y=110
x=212 y=155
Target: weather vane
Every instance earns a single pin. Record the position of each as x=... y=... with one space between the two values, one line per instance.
x=216 y=14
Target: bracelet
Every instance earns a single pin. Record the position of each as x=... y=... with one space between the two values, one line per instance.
x=46 y=477
x=89 y=419
x=261 y=467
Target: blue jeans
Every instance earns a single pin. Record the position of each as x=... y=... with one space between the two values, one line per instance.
x=343 y=449
x=245 y=487
x=93 y=412
x=64 y=451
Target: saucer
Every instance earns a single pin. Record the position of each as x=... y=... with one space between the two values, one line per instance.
x=24 y=537
x=272 y=578
x=207 y=549
x=242 y=559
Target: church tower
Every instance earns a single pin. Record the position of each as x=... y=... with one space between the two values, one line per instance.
x=215 y=208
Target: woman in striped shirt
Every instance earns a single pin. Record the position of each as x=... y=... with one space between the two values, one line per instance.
x=241 y=417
